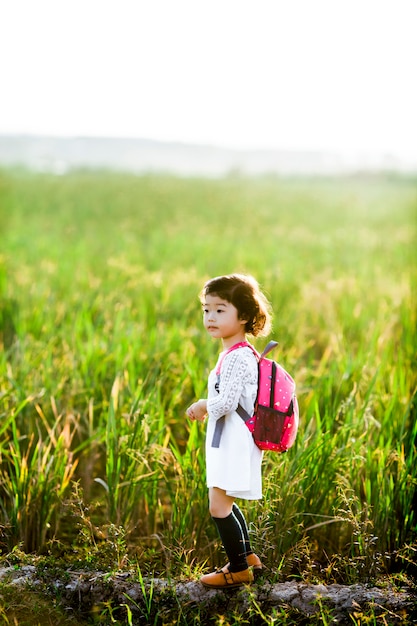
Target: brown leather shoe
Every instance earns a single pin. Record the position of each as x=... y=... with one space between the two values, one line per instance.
x=254 y=562
x=223 y=579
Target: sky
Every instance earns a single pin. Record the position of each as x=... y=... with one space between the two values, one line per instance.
x=332 y=75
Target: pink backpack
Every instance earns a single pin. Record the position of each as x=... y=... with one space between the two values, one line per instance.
x=275 y=419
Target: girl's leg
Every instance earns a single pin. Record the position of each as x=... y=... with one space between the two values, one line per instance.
x=229 y=528
x=241 y=519
x=252 y=559
x=220 y=503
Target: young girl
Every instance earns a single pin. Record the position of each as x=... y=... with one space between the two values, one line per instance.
x=233 y=306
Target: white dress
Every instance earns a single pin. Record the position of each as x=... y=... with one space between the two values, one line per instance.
x=235 y=465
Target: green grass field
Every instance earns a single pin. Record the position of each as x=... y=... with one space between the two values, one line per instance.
x=103 y=349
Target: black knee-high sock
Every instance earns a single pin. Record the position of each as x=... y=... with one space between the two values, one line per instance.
x=233 y=540
x=241 y=519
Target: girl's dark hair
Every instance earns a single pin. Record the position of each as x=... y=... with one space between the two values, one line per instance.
x=244 y=293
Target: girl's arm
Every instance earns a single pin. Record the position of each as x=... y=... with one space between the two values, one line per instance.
x=235 y=374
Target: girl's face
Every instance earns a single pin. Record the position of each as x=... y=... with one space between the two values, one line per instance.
x=221 y=320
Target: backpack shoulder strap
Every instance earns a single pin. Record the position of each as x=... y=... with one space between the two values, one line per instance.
x=243 y=414
x=218 y=429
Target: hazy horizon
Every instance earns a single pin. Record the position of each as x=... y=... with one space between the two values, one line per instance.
x=275 y=75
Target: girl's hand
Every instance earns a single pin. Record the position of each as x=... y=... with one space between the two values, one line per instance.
x=197 y=411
